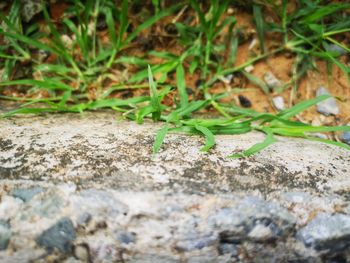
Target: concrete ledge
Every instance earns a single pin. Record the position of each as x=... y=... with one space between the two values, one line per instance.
x=93 y=178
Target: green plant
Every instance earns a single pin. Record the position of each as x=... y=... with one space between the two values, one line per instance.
x=241 y=121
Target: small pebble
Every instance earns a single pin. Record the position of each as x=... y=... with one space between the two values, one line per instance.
x=171 y=29
x=226 y=248
x=337 y=49
x=345 y=137
x=82 y=252
x=30 y=8
x=101 y=23
x=189 y=91
x=249 y=68
x=244 y=101
x=199 y=83
x=260 y=233
x=271 y=81
x=278 y=102
x=253 y=43
x=229 y=78
x=328 y=106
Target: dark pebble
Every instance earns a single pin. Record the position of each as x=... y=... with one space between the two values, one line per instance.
x=59 y=236
x=101 y=23
x=199 y=83
x=226 y=248
x=189 y=91
x=244 y=101
x=171 y=29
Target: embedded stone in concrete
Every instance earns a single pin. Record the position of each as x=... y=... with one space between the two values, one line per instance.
x=121 y=204
x=59 y=236
x=25 y=194
x=327 y=232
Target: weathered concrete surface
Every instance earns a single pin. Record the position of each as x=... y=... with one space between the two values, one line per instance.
x=98 y=149
x=87 y=188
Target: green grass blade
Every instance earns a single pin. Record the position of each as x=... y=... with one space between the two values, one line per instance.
x=324 y=11
x=209 y=138
x=259 y=23
x=339 y=144
x=160 y=138
x=154 y=96
x=232 y=52
x=201 y=16
x=301 y=106
x=108 y=103
x=150 y=22
x=259 y=146
x=256 y=81
x=181 y=85
x=185 y=111
x=27 y=111
x=44 y=84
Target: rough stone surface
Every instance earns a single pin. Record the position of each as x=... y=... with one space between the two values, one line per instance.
x=102 y=197
x=327 y=232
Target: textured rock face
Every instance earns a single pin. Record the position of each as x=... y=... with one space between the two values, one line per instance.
x=86 y=188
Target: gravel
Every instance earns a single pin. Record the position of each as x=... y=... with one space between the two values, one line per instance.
x=278 y=102
x=328 y=106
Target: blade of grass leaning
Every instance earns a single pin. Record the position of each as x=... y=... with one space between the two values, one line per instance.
x=149 y=22
x=181 y=85
x=259 y=23
x=114 y=102
x=324 y=11
x=339 y=144
x=209 y=138
x=160 y=138
x=154 y=96
x=232 y=52
x=269 y=139
x=284 y=21
x=176 y=116
x=43 y=84
x=256 y=81
x=301 y=106
x=27 y=111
